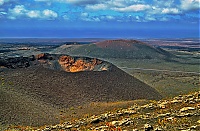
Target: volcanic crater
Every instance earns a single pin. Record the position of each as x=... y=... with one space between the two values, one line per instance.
x=62 y=81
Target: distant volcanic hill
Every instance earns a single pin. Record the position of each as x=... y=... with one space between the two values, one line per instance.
x=47 y=78
x=129 y=49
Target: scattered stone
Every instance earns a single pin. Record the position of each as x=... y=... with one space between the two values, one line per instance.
x=68 y=127
x=148 y=127
x=176 y=101
x=193 y=127
x=170 y=118
x=129 y=112
x=191 y=102
x=185 y=115
x=186 y=109
x=163 y=115
x=122 y=122
x=162 y=106
x=101 y=128
x=157 y=129
x=95 y=120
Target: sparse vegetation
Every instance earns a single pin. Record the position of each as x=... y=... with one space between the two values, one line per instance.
x=169 y=84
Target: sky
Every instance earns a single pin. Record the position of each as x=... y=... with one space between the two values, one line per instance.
x=99 y=18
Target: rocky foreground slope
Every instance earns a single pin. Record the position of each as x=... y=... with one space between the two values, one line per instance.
x=180 y=113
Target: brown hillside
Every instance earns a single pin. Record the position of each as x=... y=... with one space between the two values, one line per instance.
x=36 y=84
x=70 y=89
x=126 y=49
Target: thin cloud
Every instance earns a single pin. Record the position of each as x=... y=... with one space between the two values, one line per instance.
x=189 y=5
x=20 y=10
x=3 y=1
x=170 y=11
x=49 y=14
x=96 y=7
x=33 y=14
x=133 y=8
x=109 y=17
